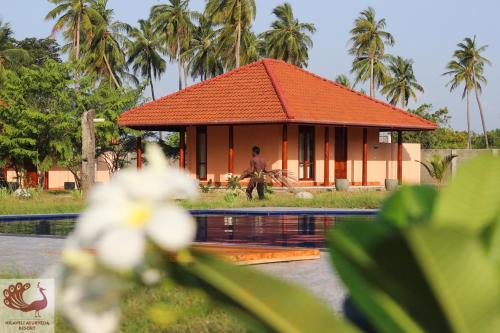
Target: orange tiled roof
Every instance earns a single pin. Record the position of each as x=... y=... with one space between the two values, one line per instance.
x=270 y=91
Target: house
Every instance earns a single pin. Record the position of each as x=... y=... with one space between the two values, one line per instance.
x=313 y=127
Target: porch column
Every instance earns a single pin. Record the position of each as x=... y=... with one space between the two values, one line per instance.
x=230 y=157
x=138 y=152
x=364 y=181
x=327 y=157
x=400 y=157
x=46 y=180
x=182 y=148
x=284 y=149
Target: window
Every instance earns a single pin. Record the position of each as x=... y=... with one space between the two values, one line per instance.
x=306 y=153
x=201 y=153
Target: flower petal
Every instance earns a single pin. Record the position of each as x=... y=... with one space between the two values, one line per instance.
x=121 y=249
x=171 y=228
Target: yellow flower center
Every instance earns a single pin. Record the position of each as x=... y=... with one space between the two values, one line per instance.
x=139 y=215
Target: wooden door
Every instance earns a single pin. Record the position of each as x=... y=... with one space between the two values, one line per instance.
x=341 y=152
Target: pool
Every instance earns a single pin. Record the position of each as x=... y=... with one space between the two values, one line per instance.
x=288 y=229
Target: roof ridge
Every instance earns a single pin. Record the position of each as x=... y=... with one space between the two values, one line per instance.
x=351 y=90
x=196 y=85
x=277 y=89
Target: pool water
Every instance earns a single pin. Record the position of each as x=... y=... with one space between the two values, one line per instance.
x=273 y=230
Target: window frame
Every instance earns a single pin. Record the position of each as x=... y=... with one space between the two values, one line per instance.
x=201 y=130
x=307 y=165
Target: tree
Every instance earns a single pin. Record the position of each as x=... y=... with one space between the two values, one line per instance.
x=402 y=83
x=288 y=39
x=40 y=116
x=105 y=55
x=368 y=43
x=11 y=57
x=74 y=18
x=40 y=50
x=203 y=54
x=236 y=16
x=173 y=21
x=438 y=167
x=343 y=79
x=144 y=56
x=467 y=67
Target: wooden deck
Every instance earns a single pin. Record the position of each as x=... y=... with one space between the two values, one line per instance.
x=252 y=255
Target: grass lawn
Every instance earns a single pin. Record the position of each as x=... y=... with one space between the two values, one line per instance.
x=67 y=202
x=188 y=311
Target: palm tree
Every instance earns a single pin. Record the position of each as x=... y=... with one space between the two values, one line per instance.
x=10 y=56
x=460 y=74
x=368 y=46
x=343 y=79
x=173 y=21
x=203 y=54
x=143 y=53
x=402 y=83
x=288 y=39
x=438 y=167
x=236 y=16
x=468 y=67
x=106 y=55
x=75 y=18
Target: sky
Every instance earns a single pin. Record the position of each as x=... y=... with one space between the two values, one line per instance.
x=426 y=31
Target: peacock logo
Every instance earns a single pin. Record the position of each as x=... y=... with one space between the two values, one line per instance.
x=14 y=298
x=27 y=305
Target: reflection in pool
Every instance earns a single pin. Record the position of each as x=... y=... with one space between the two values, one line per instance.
x=275 y=230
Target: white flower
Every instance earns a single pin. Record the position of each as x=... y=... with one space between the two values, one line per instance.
x=87 y=317
x=134 y=206
x=151 y=276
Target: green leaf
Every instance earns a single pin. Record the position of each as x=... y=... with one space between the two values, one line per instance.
x=465 y=282
x=379 y=270
x=422 y=278
x=408 y=205
x=472 y=200
x=277 y=305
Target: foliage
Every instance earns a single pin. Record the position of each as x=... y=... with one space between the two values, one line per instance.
x=343 y=79
x=438 y=167
x=368 y=43
x=206 y=188
x=203 y=56
x=236 y=17
x=11 y=57
x=143 y=53
x=75 y=19
x=233 y=182
x=172 y=21
x=40 y=50
x=288 y=39
x=41 y=116
x=436 y=271
x=467 y=68
x=402 y=83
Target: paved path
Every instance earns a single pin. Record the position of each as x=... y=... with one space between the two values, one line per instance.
x=32 y=255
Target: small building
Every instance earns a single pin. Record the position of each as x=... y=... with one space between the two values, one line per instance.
x=313 y=127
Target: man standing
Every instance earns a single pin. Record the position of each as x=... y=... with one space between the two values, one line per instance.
x=256 y=173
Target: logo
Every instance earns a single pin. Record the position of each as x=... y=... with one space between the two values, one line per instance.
x=27 y=306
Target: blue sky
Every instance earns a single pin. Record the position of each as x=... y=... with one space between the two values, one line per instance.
x=426 y=31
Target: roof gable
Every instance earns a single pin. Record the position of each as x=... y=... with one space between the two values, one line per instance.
x=270 y=91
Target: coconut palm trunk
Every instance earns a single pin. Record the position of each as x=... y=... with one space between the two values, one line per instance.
x=150 y=76
x=179 y=64
x=110 y=70
x=469 y=133
x=77 y=41
x=238 y=43
x=481 y=112
x=372 y=79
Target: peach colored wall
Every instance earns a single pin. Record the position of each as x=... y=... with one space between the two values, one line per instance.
x=381 y=164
